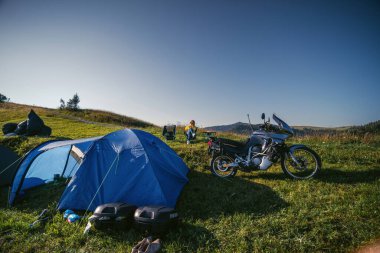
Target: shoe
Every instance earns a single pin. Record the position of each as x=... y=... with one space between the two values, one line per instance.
x=187 y=142
x=153 y=247
x=142 y=245
x=135 y=248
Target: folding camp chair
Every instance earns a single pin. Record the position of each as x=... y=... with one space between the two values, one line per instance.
x=169 y=132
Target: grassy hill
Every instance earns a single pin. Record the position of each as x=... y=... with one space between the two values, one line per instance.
x=65 y=124
x=254 y=212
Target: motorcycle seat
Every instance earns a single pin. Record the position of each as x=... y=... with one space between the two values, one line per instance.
x=233 y=144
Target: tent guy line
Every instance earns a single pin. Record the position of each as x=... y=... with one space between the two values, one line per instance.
x=10 y=165
x=104 y=178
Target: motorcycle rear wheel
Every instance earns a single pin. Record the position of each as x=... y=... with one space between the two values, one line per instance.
x=220 y=168
x=309 y=163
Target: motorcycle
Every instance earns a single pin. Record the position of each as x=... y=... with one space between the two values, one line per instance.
x=263 y=148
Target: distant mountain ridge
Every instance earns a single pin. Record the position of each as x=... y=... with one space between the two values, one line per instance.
x=238 y=127
x=244 y=128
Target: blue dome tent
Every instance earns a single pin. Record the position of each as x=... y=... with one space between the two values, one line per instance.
x=128 y=165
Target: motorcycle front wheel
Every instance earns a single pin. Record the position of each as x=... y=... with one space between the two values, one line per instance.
x=220 y=166
x=302 y=163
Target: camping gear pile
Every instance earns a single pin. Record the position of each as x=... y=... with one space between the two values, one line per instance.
x=34 y=125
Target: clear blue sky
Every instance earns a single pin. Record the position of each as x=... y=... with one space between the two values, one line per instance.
x=311 y=62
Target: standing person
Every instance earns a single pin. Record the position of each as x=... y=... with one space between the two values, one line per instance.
x=190 y=131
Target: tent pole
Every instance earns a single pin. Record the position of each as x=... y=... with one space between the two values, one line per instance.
x=67 y=160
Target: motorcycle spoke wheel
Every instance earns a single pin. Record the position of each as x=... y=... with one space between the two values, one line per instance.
x=307 y=163
x=220 y=166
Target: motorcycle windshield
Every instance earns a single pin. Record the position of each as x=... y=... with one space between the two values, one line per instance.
x=283 y=126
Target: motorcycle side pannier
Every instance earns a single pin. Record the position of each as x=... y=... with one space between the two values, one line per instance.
x=155 y=219
x=113 y=215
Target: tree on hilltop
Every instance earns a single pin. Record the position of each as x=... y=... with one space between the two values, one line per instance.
x=3 y=98
x=63 y=104
x=72 y=104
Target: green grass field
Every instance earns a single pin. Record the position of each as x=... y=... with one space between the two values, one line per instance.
x=339 y=211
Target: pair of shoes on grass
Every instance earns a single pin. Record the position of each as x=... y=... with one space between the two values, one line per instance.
x=147 y=246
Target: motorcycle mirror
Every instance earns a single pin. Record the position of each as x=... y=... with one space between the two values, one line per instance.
x=263 y=116
x=250 y=124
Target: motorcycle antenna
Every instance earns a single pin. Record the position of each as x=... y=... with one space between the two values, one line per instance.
x=250 y=124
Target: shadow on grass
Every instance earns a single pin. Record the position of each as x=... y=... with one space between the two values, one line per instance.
x=4 y=197
x=41 y=197
x=264 y=175
x=192 y=238
x=207 y=196
x=185 y=235
x=328 y=175
x=338 y=176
